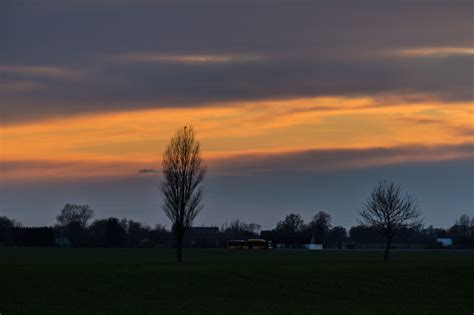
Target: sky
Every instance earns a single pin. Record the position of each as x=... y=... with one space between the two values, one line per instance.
x=300 y=106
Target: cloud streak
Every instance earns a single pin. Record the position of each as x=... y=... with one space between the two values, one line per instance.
x=342 y=159
x=19 y=86
x=150 y=57
x=318 y=160
x=41 y=71
x=148 y=171
x=435 y=51
x=167 y=55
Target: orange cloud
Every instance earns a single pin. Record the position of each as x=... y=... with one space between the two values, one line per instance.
x=138 y=138
x=317 y=160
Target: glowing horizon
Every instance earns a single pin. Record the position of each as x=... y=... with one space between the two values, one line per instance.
x=260 y=127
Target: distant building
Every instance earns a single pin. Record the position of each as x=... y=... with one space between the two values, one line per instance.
x=445 y=241
x=313 y=246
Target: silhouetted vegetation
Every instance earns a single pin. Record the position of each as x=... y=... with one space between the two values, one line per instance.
x=320 y=227
x=388 y=210
x=72 y=223
x=291 y=231
x=238 y=230
x=183 y=172
x=6 y=230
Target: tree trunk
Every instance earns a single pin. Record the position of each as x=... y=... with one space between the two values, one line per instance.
x=179 y=247
x=387 y=248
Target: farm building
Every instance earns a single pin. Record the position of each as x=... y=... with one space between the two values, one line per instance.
x=445 y=241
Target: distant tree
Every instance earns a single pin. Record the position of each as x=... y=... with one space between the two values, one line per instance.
x=290 y=230
x=337 y=235
x=464 y=220
x=110 y=232
x=363 y=234
x=159 y=236
x=456 y=232
x=6 y=227
x=409 y=235
x=183 y=172
x=292 y=223
x=240 y=230
x=7 y=223
x=320 y=226
x=136 y=232
x=388 y=210
x=441 y=233
x=72 y=222
x=461 y=232
x=160 y=228
x=80 y=214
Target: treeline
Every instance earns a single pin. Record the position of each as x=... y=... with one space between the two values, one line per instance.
x=76 y=228
x=293 y=230
x=110 y=232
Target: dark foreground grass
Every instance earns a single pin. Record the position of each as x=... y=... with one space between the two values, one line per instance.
x=148 y=281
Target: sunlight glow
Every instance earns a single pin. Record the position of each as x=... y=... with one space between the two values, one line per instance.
x=127 y=141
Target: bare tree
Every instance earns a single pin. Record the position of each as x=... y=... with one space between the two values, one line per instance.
x=240 y=230
x=464 y=220
x=388 y=210
x=183 y=172
x=80 y=214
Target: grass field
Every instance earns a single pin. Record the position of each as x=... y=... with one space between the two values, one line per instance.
x=128 y=281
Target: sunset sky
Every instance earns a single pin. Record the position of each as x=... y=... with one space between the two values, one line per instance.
x=299 y=106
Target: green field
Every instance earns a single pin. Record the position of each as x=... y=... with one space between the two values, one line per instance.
x=128 y=281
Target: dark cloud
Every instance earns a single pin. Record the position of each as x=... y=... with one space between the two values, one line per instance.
x=341 y=159
x=322 y=161
x=266 y=51
x=34 y=170
x=422 y=120
x=148 y=171
x=464 y=131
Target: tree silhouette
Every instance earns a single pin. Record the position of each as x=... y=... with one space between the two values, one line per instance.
x=337 y=236
x=183 y=172
x=320 y=226
x=240 y=230
x=291 y=223
x=73 y=221
x=71 y=213
x=6 y=227
x=388 y=210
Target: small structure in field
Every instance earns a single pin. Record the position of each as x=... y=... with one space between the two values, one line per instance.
x=313 y=246
x=445 y=242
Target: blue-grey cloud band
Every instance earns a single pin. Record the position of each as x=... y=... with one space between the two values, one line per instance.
x=164 y=54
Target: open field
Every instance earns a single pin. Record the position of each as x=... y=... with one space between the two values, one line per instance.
x=66 y=281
